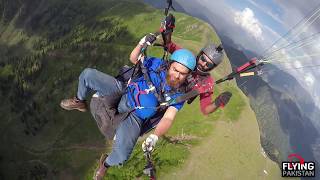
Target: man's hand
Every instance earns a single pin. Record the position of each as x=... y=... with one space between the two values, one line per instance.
x=149 y=144
x=149 y=39
x=223 y=99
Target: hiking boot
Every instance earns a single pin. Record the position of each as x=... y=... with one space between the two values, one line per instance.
x=101 y=169
x=73 y=103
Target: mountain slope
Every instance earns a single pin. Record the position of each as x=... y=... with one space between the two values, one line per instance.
x=283 y=110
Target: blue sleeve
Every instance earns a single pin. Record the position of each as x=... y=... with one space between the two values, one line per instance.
x=178 y=105
x=152 y=62
x=147 y=61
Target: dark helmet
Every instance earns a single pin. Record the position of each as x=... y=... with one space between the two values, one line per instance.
x=214 y=53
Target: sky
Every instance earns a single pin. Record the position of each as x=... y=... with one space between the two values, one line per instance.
x=257 y=26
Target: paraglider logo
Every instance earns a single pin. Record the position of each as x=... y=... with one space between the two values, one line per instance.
x=299 y=168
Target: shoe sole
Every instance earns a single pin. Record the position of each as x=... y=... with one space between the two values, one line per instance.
x=101 y=163
x=69 y=108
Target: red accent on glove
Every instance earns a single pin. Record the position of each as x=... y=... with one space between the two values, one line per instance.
x=221 y=104
x=161 y=30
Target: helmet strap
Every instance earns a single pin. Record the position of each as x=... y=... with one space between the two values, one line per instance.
x=202 y=73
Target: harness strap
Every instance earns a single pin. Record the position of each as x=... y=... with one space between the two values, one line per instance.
x=165 y=49
x=150 y=84
x=182 y=98
x=136 y=98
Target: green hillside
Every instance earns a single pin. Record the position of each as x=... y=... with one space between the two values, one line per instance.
x=44 y=45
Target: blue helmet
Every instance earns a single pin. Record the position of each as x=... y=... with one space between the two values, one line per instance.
x=184 y=57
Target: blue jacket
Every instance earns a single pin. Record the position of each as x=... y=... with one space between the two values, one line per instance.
x=144 y=103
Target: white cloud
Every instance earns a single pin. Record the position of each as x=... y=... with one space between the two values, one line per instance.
x=297 y=64
x=316 y=46
x=284 y=52
x=309 y=78
x=247 y=20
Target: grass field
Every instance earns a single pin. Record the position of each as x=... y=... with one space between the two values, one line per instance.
x=232 y=150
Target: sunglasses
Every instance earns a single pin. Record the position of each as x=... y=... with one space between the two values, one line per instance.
x=209 y=63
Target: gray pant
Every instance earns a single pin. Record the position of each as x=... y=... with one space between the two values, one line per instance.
x=128 y=131
x=127 y=135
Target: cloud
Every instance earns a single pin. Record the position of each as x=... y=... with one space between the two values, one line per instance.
x=316 y=47
x=309 y=78
x=297 y=64
x=247 y=20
